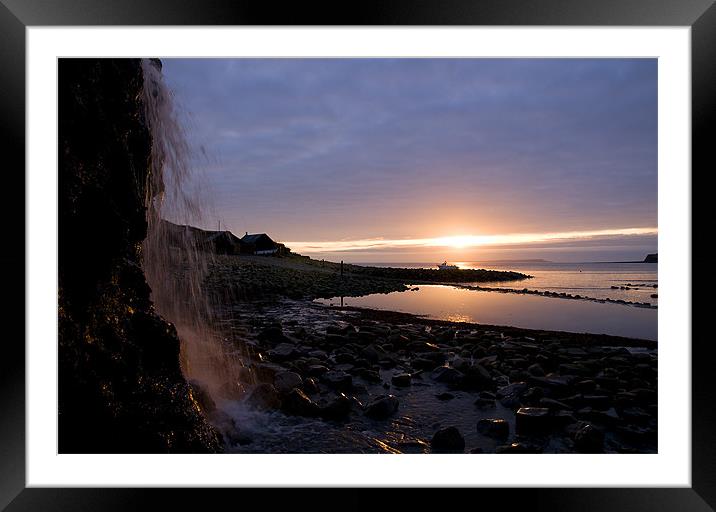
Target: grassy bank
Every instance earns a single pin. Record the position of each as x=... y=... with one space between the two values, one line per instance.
x=299 y=277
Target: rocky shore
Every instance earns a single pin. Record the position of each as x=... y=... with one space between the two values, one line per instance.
x=367 y=381
x=246 y=278
x=563 y=295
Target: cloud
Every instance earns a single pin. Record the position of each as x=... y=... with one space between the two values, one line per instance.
x=469 y=241
x=321 y=149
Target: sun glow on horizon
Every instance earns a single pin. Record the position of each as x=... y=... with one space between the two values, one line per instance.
x=462 y=241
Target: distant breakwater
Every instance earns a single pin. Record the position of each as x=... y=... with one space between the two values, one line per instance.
x=556 y=295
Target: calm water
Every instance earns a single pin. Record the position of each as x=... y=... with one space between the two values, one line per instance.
x=586 y=279
x=527 y=311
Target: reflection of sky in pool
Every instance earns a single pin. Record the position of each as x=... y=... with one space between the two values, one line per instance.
x=528 y=311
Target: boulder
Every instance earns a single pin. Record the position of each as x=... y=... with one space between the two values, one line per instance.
x=401 y=380
x=373 y=353
x=518 y=448
x=272 y=334
x=284 y=382
x=448 y=440
x=283 y=352
x=339 y=380
x=511 y=394
x=264 y=397
x=337 y=409
x=494 y=427
x=588 y=439
x=382 y=407
x=297 y=403
x=533 y=420
x=446 y=374
x=536 y=370
x=310 y=386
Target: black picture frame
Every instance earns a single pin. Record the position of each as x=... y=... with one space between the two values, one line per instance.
x=17 y=15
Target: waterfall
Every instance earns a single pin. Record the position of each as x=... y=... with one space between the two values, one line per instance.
x=176 y=261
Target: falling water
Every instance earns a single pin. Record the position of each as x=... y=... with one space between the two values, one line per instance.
x=176 y=261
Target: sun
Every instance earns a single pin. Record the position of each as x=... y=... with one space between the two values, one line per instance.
x=459 y=242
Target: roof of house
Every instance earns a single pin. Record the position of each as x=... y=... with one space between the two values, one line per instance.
x=252 y=239
x=226 y=234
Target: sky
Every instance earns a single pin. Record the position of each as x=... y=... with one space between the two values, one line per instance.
x=410 y=160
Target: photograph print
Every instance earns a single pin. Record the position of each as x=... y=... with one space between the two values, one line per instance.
x=310 y=255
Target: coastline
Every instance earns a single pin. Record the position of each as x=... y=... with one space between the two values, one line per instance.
x=374 y=381
x=391 y=382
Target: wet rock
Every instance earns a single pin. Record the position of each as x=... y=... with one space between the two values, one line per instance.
x=475 y=377
x=202 y=396
x=447 y=440
x=421 y=363
x=585 y=386
x=536 y=370
x=310 y=386
x=339 y=380
x=533 y=395
x=554 y=404
x=638 y=435
x=272 y=334
x=373 y=353
x=316 y=370
x=510 y=395
x=605 y=417
x=318 y=354
x=382 y=407
x=369 y=375
x=345 y=358
x=597 y=401
x=265 y=372
x=336 y=340
x=518 y=448
x=339 y=329
x=359 y=389
x=231 y=390
x=533 y=420
x=636 y=415
x=401 y=380
x=588 y=439
x=264 y=397
x=446 y=374
x=283 y=352
x=460 y=363
x=297 y=403
x=337 y=409
x=284 y=382
x=494 y=427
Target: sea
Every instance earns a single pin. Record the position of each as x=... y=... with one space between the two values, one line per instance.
x=632 y=282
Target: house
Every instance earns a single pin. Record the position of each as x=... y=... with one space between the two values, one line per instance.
x=224 y=242
x=259 y=243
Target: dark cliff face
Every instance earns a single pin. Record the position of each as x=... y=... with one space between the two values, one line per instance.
x=120 y=383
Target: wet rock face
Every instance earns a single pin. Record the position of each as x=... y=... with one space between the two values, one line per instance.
x=120 y=383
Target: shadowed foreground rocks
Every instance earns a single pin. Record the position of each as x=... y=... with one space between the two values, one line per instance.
x=120 y=383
